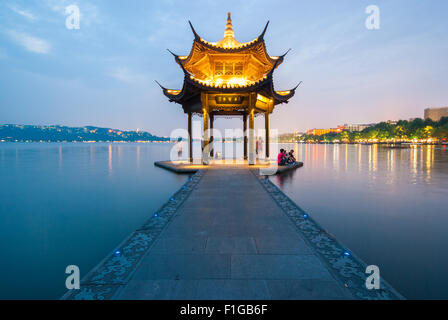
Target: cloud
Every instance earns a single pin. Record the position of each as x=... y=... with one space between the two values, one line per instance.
x=30 y=43
x=123 y=74
x=26 y=14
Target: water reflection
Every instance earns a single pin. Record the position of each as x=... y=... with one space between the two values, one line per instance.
x=138 y=156
x=387 y=204
x=335 y=155
x=413 y=165
x=119 y=149
x=376 y=158
x=58 y=206
x=429 y=162
x=346 y=157
x=110 y=159
x=359 y=157
x=325 y=155
x=92 y=154
x=281 y=179
x=60 y=157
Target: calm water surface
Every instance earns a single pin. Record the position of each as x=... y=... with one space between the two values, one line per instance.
x=389 y=206
x=63 y=204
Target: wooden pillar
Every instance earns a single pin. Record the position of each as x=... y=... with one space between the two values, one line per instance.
x=204 y=100
x=252 y=102
x=212 y=119
x=190 y=138
x=251 y=137
x=245 y=135
x=266 y=126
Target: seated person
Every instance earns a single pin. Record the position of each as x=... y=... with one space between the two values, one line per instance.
x=291 y=158
x=281 y=158
x=286 y=157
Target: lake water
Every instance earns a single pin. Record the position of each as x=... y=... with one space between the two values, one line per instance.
x=72 y=203
x=389 y=206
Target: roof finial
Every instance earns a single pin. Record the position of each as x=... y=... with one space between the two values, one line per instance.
x=163 y=88
x=264 y=31
x=175 y=55
x=196 y=36
x=283 y=55
x=229 y=28
x=297 y=86
x=229 y=40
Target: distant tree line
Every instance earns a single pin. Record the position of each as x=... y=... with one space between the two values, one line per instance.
x=417 y=130
x=14 y=132
x=286 y=137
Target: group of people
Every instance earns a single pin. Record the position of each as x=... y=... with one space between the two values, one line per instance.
x=286 y=158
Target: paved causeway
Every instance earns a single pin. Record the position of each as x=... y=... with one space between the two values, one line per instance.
x=231 y=240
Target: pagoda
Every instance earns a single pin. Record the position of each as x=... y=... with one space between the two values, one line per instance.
x=228 y=78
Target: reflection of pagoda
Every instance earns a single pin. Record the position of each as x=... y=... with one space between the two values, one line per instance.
x=229 y=78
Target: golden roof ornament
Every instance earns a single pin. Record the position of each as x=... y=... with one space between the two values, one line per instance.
x=229 y=40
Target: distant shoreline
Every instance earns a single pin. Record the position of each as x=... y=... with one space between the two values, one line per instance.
x=383 y=144
x=387 y=144
x=55 y=141
x=57 y=133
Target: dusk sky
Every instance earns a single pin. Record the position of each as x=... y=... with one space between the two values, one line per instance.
x=103 y=74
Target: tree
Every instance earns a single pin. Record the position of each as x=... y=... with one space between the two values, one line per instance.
x=345 y=137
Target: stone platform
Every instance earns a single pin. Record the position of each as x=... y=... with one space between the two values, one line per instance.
x=230 y=233
x=185 y=167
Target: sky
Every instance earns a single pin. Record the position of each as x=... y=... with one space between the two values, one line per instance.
x=103 y=73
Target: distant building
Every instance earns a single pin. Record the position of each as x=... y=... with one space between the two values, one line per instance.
x=435 y=114
x=356 y=127
x=297 y=133
x=321 y=132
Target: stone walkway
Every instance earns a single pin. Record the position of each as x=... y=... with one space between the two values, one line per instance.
x=231 y=240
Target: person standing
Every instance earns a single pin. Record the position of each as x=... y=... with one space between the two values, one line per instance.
x=256 y=146
x=260 y=147
x=179 y=150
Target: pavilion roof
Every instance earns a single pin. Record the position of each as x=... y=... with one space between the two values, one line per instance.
x=202 y=50
x=200 y=59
